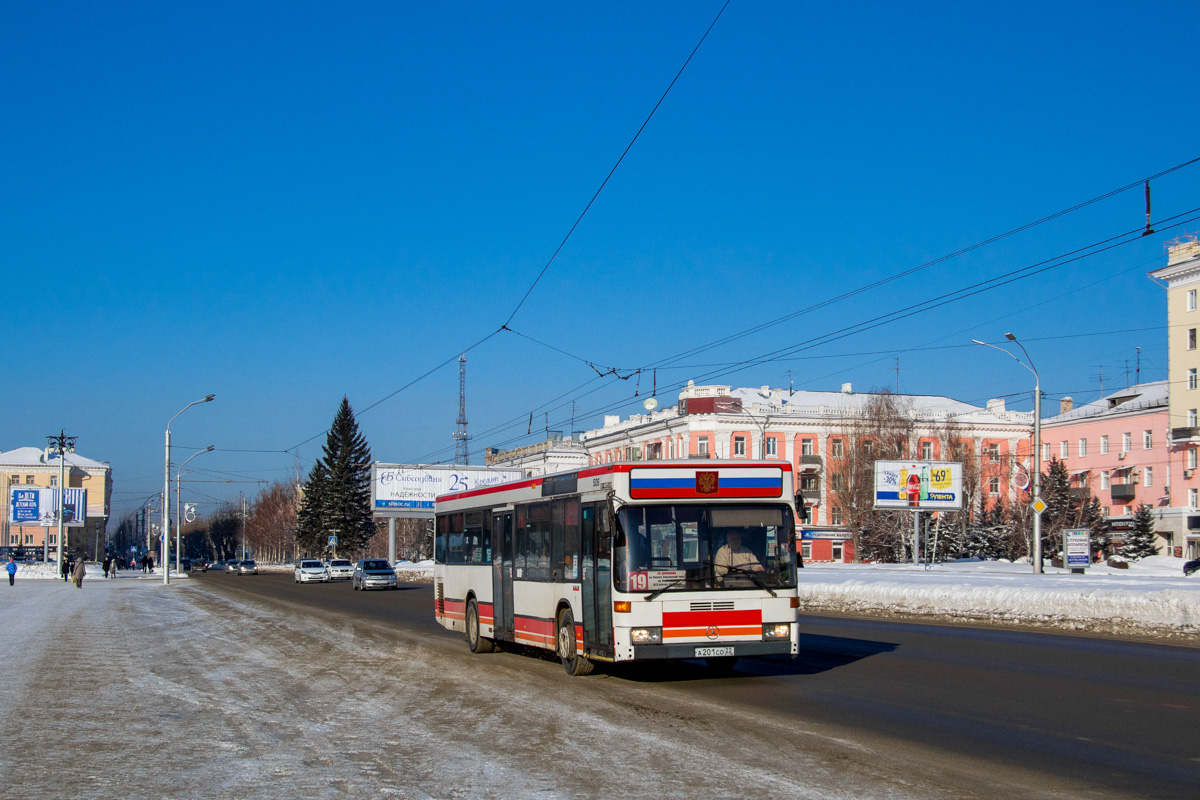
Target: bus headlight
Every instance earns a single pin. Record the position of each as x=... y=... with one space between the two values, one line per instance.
x=773 y=631
x=646 y=635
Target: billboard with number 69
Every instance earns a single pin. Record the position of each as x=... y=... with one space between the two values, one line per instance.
x=918 y=485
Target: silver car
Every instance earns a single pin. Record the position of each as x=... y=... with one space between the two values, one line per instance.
x=373 y=573
x=340 y=569
x=309 y=570
x=247 y=567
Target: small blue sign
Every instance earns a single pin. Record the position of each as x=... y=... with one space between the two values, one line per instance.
x=333 y=541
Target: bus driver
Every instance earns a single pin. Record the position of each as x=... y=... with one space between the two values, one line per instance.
x=732 y=554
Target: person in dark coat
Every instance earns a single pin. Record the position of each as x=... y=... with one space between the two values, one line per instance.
x=67 y=566
x=107 y=565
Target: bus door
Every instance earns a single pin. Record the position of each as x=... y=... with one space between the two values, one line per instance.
x=597 y=578
x=502 y=575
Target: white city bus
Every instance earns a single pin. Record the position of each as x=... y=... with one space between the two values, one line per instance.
x=624 y=562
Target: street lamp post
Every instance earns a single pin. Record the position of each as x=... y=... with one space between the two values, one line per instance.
x=1035 y=461
x=166 y=494
x=178 y=476
x=59 y=444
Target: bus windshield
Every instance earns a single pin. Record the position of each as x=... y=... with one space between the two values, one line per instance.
x=689 y=547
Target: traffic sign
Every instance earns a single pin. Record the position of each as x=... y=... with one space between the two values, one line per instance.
x=1039 y=506
x=333 y=541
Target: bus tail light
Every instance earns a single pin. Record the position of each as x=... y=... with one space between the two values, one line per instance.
x=646 y=635
x=622 y=606
x=773 y=631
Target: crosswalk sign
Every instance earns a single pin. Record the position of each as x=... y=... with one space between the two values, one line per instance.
x=333 y=541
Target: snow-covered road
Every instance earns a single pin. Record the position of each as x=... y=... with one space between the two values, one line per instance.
x=127 y=689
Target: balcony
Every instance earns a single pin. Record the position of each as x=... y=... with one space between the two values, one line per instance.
x=1123 y=492
x=1179 y=435
x=810 y=460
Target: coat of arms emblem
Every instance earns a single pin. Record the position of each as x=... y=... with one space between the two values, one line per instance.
x=706 y=483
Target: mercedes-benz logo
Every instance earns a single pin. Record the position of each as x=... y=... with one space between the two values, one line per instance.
x=713 y=632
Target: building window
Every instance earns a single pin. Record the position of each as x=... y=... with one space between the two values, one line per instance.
x=835 y=481
x=805 y=551
x=1126 y=442
x=1064 y=449
x=1193 y=497
x=1083 y=447
x=837 y=551
x=806 y=447
x=1191 y=300
x=808 y=482
x=993 y=486
x=702 y=447
x=54 y=480
x=1104 y=481
x=1191 y=458
x=1193 y=380
x=1191 y=339
x=837 y=449
x=772 y=447
x=993 y=452
x=868 y=447
x=1104 y=445
x=1045 y=451
x=926 y=451
x=835 y=516
x=1149 y=476
x=1191 y=417
x=1147 y=440
x=739 y=445
x=29 y=480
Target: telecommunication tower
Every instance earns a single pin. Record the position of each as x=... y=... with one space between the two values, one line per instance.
x=460 y=436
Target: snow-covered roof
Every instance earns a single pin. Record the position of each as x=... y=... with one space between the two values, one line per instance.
x=37 y=457
x=921 y=406
x=1135 y=399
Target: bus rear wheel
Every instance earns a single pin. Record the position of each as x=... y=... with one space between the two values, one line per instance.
x=573 y=662
x=477 y=643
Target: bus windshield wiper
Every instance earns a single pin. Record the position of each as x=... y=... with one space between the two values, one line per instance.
x=659 y=591
x=751 y=574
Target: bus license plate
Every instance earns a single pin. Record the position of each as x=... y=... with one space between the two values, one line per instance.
x=711 y=652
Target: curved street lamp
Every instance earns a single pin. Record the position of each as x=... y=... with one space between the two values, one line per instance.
x=178 y=475
x=1036 y=462
x=166 y=493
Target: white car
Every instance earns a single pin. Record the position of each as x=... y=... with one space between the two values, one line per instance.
x=309 y=570
x=340 y=569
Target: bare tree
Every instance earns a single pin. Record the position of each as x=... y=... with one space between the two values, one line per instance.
x=271 y=523
x=881 y=430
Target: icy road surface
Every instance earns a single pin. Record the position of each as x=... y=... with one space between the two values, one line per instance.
x=129 y=689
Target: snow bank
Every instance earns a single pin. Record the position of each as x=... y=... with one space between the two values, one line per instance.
x=1151 y=597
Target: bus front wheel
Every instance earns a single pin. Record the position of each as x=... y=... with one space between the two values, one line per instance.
x=573 y=661
x=477 y=643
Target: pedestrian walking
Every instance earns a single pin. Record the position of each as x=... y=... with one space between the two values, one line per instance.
x=67 y=566
x=79 y=572
x=11 y=567
x=107 y=565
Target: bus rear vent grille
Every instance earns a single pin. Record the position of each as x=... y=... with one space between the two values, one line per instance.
x=712 y=605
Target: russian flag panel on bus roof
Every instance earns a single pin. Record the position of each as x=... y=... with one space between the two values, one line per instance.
x=684 y=482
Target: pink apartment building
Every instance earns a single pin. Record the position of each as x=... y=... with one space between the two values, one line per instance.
x=1119 y=447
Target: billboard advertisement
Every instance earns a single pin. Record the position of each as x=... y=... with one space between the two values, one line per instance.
x=38 y=505
x=405 y=488
x=918 y=485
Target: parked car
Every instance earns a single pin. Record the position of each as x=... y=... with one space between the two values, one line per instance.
x=200 y=565
x=340 y=569
x=309 y=570
x=185 y=565
x=1190 y=567
x=247 y=567
x=373 y=573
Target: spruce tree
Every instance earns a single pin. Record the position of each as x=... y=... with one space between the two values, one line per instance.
x=337 y=494
x=1141 y=541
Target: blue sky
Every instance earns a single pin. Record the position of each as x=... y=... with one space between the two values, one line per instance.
x=285 y=203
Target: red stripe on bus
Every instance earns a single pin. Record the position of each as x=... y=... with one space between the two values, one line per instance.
x=703 y=619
